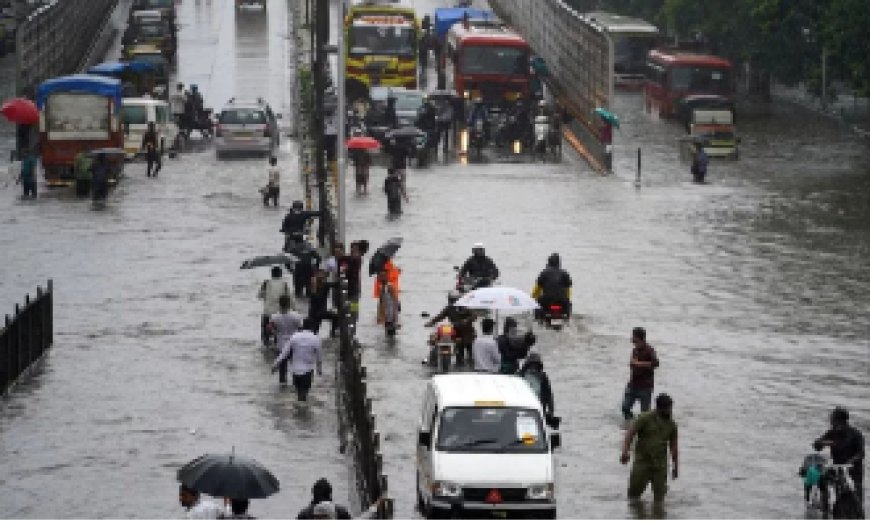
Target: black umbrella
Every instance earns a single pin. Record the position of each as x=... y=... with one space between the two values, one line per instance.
x=385 y=252
x=228 y=476
x=269 y=260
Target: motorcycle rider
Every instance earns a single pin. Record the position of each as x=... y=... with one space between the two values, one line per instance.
x=553 y=287
x=480 y=112
x=462 y=320
x=427 y=120
x=294 y=223
x=479 y=268
x=847 y=447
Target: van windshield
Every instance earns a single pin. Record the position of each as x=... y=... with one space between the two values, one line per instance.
x=491 y=430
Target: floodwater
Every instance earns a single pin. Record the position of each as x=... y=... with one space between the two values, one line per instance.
x=156 y=357
x=753 y=289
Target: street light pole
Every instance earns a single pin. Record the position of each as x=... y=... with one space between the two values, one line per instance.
x=341 y=115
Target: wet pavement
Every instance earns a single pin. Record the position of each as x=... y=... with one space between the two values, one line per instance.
x=156 y=357
x=753 y=289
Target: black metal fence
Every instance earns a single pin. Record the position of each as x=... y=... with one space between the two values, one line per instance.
x=25 y=337
x=356 y=419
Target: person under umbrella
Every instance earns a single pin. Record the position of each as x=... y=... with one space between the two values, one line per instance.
x=239 y=508
x=362 y=160
x=27 y=177
x=395 y=192
x=197 y=507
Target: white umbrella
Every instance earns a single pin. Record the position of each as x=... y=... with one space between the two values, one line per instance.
x=498 y=298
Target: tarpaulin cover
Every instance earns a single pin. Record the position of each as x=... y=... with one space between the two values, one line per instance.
x=105 y=86
x=116 y=68
x=447 y=16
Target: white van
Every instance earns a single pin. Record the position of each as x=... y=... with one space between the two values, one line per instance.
x=136 y=114
x=483 y=449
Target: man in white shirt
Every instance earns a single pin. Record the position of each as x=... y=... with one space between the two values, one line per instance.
x=198 y=508
x=270 y=292
x=284 y=324
x=304 y=352
x=485 y=349
x=176 y=102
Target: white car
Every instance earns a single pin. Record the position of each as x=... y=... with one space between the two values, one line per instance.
x=484 y=450
x=136 y=114
x=246 y=127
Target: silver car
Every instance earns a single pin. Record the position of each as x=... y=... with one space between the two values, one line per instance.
x=246 y=127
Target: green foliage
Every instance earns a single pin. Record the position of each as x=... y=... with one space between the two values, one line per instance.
x=783 y=37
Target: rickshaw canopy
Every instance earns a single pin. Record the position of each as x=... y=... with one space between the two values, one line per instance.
x=118 y=68
x=99 y=85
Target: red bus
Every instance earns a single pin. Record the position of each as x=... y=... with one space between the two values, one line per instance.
x=672 y=76
x=490 y=61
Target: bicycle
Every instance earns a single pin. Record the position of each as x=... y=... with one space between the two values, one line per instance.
x=846 y=503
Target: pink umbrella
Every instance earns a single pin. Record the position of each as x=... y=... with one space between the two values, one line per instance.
x=363 y=143
x=20 y=111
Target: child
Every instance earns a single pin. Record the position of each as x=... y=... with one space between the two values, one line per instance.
x=811 y=471
x=272 y=189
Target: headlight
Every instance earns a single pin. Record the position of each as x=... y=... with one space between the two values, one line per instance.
x=544 y=491
x=446 y=489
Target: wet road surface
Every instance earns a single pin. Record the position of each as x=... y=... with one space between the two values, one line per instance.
x=753 y=290
x=156 y=357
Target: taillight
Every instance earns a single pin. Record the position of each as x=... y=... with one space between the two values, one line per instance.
x=555 y=308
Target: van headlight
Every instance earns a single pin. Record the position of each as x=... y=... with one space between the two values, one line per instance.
x=446 y=489
x=544 y=491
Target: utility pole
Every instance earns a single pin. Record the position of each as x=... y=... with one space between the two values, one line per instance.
x=341 y=114
x=321 y=17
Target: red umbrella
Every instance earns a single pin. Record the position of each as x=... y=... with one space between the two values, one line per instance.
x=363 y=143
x=20 y=111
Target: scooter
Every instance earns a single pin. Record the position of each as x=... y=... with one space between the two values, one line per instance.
x=554 y=315
x=477 y=138
x=442 y=346
x=542 y=135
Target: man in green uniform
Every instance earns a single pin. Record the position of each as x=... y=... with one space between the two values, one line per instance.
x=656 y=432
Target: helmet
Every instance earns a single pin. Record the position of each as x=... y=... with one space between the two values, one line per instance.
x=554 y=260
x=477 y=249
x=297 y=205
x=840 y=414
x=453 y=296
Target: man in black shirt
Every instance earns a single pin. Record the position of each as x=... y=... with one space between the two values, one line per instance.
x=847 y=447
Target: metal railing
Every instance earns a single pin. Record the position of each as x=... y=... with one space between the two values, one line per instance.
x=356 y=419
x=25 y=337
x=579 y=57
x=55 y=39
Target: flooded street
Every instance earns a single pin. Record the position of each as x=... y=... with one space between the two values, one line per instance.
x=753 y=290
x=156 y=357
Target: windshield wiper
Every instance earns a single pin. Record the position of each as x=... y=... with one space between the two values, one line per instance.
x=477 y=442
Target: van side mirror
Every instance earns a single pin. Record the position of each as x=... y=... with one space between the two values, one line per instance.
x=424 y=439
x=555 y=440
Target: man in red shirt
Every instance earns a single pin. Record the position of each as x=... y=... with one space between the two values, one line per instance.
x=642 y=364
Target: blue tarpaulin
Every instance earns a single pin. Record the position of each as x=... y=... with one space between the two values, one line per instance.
x=117 y=68
x=447 y=16
x=108 y=87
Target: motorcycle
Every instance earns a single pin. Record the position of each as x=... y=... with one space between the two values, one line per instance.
x=554 y=315
x=542 y=136
x=477 y=137
x=469 y=283
x=442 y=347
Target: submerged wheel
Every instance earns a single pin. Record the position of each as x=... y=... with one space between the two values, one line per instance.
x=444 y=363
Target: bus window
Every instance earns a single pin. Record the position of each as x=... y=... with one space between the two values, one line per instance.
x=702 y=79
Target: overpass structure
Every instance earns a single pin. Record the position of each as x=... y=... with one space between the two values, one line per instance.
x=579 y=55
